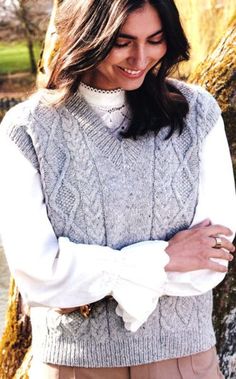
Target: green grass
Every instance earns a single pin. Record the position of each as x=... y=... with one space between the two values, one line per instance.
x=14 y=57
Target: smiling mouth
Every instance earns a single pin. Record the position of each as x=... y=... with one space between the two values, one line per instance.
x=134 y=73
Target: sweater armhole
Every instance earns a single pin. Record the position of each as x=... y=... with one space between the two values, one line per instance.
x=14 y=126
x=207 y=112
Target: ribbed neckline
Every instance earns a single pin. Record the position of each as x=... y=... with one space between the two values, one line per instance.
x=103 y=138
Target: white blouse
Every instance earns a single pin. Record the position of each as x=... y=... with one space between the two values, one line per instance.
x=59 y=273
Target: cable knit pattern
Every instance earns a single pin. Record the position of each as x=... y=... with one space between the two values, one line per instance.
x=102 y=189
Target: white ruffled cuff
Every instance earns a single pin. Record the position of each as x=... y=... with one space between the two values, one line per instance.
x=141 y=281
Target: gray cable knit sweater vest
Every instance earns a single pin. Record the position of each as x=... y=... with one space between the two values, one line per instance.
x=101 y=189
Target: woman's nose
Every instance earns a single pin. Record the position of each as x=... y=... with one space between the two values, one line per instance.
x=138 y=58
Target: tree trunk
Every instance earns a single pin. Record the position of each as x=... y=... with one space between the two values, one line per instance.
x=16 y=338
x=50 y=46
x=205 y=22
x=33 y=64
x=218 y=75
x=25 y=22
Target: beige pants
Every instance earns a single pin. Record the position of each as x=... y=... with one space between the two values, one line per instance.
x=198 y=366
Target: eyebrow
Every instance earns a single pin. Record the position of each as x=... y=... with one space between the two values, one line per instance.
x=128 y=36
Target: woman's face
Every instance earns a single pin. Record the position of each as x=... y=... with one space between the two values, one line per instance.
x=139 y=47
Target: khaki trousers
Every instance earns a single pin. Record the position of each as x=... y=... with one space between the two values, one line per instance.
x=198 y=366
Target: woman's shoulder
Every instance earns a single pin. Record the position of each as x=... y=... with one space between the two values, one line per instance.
x=22 y=114
x=195 y=95
x=204 y=110
x=16 y=124
x=16 y=114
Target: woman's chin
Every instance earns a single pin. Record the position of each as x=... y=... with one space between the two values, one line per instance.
x=131 y=86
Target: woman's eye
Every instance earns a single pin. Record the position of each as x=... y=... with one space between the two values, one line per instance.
x=121 y=44
x=156 y=42
x=127 y=43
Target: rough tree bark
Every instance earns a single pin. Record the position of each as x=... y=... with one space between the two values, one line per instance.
x=16 y=339
x=218 y=75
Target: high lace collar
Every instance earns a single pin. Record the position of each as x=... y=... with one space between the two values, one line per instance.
x=105 y=99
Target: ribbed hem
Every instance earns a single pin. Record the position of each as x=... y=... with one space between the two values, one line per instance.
x=130 y=352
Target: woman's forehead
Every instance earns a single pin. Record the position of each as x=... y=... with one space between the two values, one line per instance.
x=144 y=21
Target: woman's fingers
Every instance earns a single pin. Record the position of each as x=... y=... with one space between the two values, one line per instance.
x=225 y=243
x=220 y=253
x=214 y=266
x=192 y=249
x=203 y=223
x=65 y=311
x=207 y=228
x=213 y=230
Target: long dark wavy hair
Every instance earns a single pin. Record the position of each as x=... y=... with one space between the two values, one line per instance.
x=87 y=31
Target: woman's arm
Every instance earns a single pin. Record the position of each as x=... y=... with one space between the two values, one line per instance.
x=65 y=274
x=45 y=274
x=192 y=249
x=194 y=265
x=59 y=273
x=217 y=202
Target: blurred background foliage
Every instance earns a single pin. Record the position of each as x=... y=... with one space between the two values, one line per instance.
x=205 y=22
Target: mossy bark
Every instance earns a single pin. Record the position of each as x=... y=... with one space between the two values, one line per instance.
x=16 y=338
x=218 y=75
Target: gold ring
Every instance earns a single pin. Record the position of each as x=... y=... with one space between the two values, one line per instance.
x=218 y=244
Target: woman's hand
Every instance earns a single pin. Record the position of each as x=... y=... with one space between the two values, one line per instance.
x=66 y=311
x=84 y=310
x=192 y=249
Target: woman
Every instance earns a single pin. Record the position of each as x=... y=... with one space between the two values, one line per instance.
x=121 y=226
